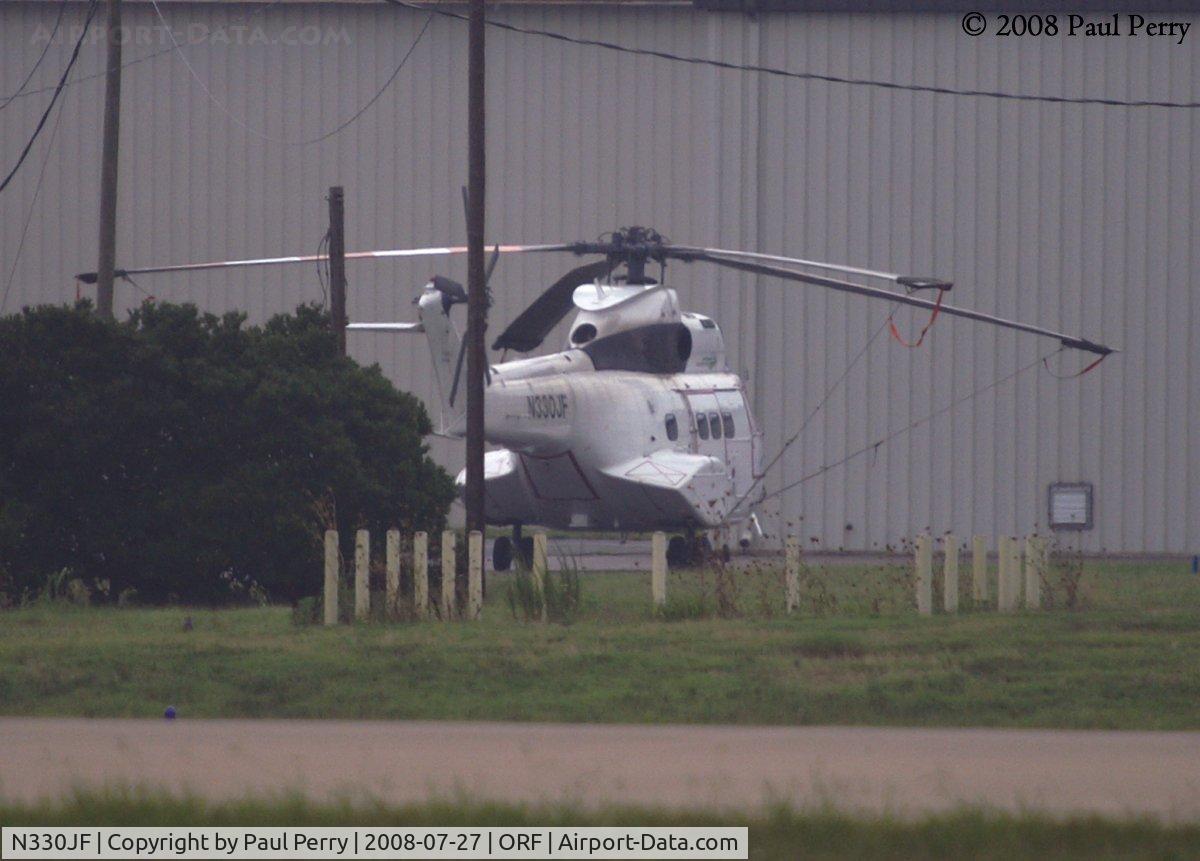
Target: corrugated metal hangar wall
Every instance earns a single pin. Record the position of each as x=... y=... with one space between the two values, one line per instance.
x=1083 y=218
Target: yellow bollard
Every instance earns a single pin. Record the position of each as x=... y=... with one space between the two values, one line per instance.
x=658 y=569
x=449 y=572
x=1009 y=587
x=924 y=561
x=331 y=577
x=540 y=567
x=1035 y=566
x=792 y=572
x=979 y=589
x=474 y=574
x=362 y=576
x=950 y=575
x=1003 y=580
x=421 y=575
x=392 y=602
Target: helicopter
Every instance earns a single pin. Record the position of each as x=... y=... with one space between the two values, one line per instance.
x=637 y=423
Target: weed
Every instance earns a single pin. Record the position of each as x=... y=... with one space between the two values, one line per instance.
x=682 y=607
x=558 y=599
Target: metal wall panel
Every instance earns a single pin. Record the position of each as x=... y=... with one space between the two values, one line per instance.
x=1082 y=217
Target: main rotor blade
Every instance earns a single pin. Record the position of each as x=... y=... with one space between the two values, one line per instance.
x=532 y=325
x=792 y=261
x=385 y=327
x=901 y=298
x=90 y=277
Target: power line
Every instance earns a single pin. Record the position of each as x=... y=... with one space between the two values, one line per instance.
x=125 y=65
x=260 y=134
x=37 y=64
x=94 y=75
x=62 y=82
x=382 y=89
x=705 y=61
x=12 y=272
x=803 y=76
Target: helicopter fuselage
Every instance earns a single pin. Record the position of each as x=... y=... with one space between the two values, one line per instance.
x=636 y=425
x=617 y=449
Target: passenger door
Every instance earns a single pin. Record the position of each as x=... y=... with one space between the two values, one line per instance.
x=738 y=438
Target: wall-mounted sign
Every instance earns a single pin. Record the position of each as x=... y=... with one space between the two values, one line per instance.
x=1070 y=505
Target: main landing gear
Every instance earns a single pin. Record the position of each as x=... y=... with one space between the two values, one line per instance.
x=684 y=551
x=505 y=549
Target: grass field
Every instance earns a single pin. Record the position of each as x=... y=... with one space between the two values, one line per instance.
x=782 y=834
x=856 y=654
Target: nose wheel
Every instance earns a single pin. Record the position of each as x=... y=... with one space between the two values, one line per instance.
x=505 y=550
x=502 y=553
x=683 y=551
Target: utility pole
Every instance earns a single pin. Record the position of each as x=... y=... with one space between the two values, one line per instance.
x=476 y=277
x=108 y=166
x=337 y=264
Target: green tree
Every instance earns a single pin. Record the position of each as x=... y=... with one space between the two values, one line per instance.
x=189 y=456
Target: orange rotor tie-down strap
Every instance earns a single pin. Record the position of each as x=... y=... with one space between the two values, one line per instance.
x=937 y=307
x=1046 y=363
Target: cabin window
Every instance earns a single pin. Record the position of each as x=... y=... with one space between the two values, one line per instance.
x=672 y=427
x=714 y=422
x=702 y=425
x=727 y=420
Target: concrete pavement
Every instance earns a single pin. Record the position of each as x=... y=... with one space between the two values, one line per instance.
x=905 y=771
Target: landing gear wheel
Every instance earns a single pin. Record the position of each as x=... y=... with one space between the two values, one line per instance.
x=502 y=553
x=726 y=553
x=703 y=549
x=678 y=553
x=526 y=546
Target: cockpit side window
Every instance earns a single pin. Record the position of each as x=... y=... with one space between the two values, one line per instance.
x=672 y=427
x=727 y=420
x=702 y=425
x=714 y=423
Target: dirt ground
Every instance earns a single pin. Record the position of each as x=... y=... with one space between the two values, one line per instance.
x=903 y=771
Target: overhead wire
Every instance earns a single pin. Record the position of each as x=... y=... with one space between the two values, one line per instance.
x=62 y=7
x=804 y=76
x=144 y=57
x=719 y=64
x=271 y=138
x=37 y=190
x=322 y=263
x=54 y=99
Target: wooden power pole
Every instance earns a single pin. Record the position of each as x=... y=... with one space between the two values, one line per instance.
x=337 y=264
x=476 y=277
x=108 y=166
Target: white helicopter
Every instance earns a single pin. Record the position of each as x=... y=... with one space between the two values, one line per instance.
x=638 y=423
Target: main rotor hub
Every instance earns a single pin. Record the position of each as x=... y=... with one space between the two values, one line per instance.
x=632 y=246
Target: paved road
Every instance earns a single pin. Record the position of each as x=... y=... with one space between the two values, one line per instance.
x=906 y=771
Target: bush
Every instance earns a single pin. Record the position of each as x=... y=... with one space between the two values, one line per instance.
x=194 y=458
